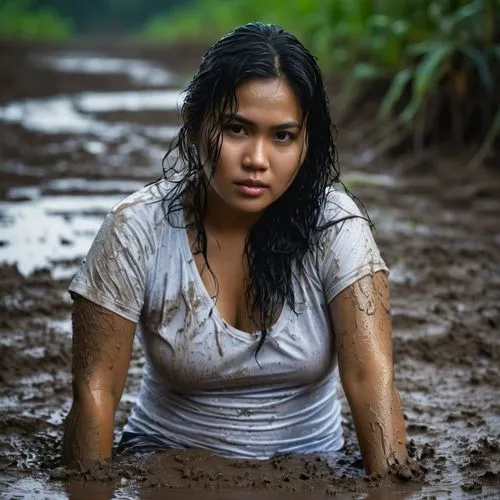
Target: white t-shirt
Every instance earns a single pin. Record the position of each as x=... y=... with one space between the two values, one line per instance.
x=202 y=386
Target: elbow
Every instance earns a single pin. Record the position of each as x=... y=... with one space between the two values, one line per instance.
x=95 y=397
x=374 y=378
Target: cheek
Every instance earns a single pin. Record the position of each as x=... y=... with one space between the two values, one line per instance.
x=294 y=164
x=226 y=157
x=226 y=150
x=223 y=173
x=292 y=161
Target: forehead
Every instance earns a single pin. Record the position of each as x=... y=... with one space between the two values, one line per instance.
x=268 y=100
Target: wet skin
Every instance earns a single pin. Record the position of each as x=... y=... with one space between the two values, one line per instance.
x=263 y=146
x=362 y=319
x=263 y=142
x=102 y=347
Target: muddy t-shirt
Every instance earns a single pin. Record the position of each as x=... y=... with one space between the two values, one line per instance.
x=202 y=386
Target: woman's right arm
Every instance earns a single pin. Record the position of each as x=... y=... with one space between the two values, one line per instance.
x=102 y=346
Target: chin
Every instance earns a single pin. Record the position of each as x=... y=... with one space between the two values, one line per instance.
x=246 y=208
x=250 y=209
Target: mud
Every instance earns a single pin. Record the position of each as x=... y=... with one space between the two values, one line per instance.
x=437 y=227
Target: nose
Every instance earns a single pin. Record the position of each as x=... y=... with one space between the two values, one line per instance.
x=256 y=155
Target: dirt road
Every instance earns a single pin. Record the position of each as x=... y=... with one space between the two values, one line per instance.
x=82 y=126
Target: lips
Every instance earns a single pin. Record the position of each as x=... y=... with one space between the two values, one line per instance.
x=251 y=187
x=252 y=183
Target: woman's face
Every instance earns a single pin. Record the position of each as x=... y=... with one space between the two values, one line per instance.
x=263 y=146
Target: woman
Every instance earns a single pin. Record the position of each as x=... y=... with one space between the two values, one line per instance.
x=253 y=285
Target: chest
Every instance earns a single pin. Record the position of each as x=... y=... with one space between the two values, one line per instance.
x=191 y=344
x=224 y=275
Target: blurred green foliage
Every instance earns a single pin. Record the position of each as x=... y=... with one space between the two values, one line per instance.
x=436 y=61
x=19 y=18
x=441 y=57
x=60 y=18
x=106 y=18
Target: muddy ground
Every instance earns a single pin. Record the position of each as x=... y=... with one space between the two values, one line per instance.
x=83 y=125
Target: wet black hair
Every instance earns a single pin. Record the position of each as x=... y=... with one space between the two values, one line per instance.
x=291 y=225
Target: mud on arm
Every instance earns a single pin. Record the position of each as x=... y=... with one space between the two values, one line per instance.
x=361 y=319
x=102 y=345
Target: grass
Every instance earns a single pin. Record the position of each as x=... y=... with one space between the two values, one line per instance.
x=19 y=20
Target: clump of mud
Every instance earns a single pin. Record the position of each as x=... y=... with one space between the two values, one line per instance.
x=200 y=470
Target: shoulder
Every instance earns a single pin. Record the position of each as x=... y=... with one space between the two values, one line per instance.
x=139 y=220
x=347 y=248
x=342 y=223
x=340 y=215
x=338 y=206
x=147 y=199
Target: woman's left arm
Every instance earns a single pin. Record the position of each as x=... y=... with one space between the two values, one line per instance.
x=361 y=320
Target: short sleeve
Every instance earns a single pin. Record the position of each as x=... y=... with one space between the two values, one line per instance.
x=114 y=273
x=349 y=251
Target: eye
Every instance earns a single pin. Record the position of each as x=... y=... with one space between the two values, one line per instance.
x=283 y=136
x=235 y=128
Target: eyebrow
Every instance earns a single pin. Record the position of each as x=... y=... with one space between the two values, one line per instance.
x=246 y=121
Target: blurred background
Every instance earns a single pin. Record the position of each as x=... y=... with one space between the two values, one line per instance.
x=432 y=63
x=89 y=99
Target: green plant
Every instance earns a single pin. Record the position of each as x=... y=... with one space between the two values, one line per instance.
x=440 y=57
x=19 y=19
x=210 y=19
x=456 y=63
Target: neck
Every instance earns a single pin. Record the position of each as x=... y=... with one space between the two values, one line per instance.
x=222 y=219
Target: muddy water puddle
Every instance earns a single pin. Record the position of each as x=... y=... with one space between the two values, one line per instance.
x=67 y=158
x=139 y=71
x=34 y=488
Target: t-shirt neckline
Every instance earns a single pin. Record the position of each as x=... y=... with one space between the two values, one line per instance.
x=251 y=337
